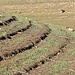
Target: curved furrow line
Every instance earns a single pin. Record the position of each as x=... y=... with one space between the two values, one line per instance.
x=43 y=61
x=6 y=22
x=9 y=36
x=26 y=45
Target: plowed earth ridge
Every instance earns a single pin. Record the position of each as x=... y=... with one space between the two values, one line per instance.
x=9 y=36
x=46 y=59
x=8 y=21
x=29 y=44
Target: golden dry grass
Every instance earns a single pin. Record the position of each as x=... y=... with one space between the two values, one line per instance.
x=48 y=12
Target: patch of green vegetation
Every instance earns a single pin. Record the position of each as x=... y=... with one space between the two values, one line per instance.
x=5 y=70
x=59 y=66
x=19 y=38
x=38 y=53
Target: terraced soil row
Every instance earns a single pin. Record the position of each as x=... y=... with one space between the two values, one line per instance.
x=27 y=44
x=44 y=60
x=6 y=22
x=9 y=36
x=20 y=37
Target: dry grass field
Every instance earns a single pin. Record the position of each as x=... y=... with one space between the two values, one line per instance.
x=43 y=10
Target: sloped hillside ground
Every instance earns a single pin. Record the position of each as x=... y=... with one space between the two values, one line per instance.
x=40 y=41
x=41 y=49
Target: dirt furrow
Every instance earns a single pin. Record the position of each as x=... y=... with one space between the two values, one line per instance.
x=6 y=22
x=26 y=45
x=9 y=36
x=29 y=69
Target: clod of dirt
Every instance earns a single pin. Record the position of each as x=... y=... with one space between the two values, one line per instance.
x=1 y=58
x=42 y=61
x=29 y=21
x=2 y=38
x=35 y=65
x=62 y=10
x=1 y=23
